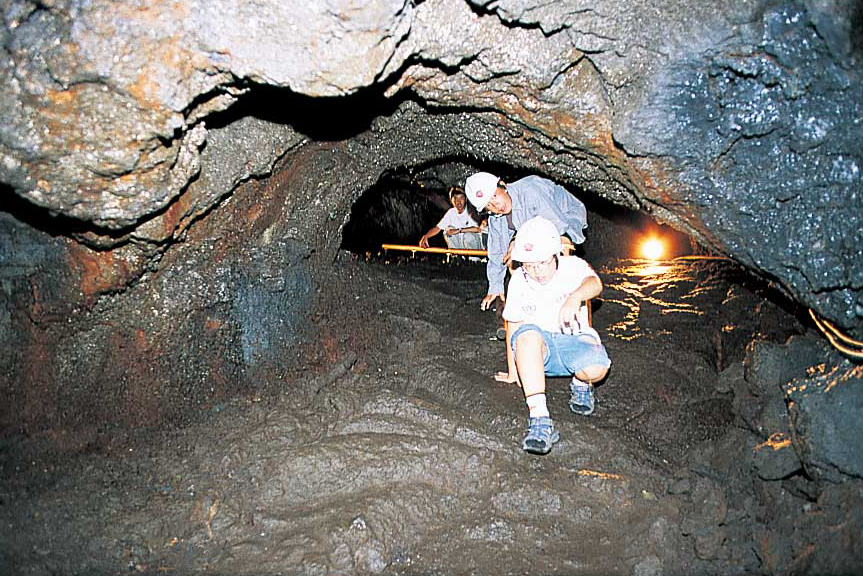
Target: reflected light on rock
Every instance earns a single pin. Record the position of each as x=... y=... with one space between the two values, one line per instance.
x=597 y=474
x=652 y=270
x=777 y=441
x=632 y=284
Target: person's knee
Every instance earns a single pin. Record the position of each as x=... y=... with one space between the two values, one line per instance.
x=529 y=339
x=592 y=373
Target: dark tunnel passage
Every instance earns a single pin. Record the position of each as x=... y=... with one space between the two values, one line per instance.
x=404 y=203
x=361 y=388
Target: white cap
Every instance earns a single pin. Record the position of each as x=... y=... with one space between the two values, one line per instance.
x=536 y=240
x=480 y=188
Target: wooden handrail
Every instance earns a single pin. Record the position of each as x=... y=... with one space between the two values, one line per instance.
x=448 y=251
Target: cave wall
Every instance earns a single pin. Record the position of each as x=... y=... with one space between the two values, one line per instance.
x=135 y=136
x=766 y=150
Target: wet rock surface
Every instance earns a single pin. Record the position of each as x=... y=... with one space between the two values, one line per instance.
x=394 y=451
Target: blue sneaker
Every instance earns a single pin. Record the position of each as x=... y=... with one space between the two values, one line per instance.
x=581 y=402
x=541 y=436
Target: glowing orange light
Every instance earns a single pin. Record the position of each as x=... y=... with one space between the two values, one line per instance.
x=653 y=248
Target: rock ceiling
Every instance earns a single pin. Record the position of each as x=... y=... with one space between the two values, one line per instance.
x=739 y=124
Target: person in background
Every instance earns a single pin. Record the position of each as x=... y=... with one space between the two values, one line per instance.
x=512 y=205
x=547 y=329
x=483 y=229
x=459 y=227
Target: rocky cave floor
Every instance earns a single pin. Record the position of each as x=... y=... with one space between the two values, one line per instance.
x=391 y=449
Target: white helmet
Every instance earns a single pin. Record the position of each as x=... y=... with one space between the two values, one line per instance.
x=536 y=240
x=480 y=188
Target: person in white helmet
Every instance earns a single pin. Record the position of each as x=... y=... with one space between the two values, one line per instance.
x=547 y=330
x=513 y=204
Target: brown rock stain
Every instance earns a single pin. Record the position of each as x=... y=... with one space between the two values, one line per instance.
x=164 y=54
x=172 y=219
x=140 y=340
x=39 y=309
x=255 y=212
x=168 y=54
x=61 y=110
x=97 y=272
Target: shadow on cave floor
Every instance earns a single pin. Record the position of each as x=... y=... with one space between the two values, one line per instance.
x=404 y=456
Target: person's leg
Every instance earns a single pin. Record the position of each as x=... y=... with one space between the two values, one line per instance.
x=530 y=351
x=582 y=398
x=472 y=240
x=592 y=373
x=530 y=348
x=583 y=357
x=457 y=241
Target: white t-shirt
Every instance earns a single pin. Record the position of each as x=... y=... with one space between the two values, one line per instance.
x=530 y=302
x=452 y=219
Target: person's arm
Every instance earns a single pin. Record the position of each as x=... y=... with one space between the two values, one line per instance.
x=568 y=315
x=444 y=224
x=513 y=316
x=511 y=375
x=495 y=270
x=472 y=226
x=489 y=299
x=507 y=258
x=424 y=241
x=451 y=231
x=471 y=229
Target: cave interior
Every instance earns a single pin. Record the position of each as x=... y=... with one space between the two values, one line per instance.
x=245 y=369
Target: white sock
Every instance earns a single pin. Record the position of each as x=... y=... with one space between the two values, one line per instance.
x=536 y=405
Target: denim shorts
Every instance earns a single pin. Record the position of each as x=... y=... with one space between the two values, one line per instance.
x=567 y=354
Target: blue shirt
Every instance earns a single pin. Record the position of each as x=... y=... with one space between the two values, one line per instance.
x=531 y=196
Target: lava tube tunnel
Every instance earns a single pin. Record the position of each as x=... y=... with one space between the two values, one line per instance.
x=333 y=290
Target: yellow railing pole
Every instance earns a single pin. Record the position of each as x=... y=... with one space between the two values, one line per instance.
x=448 y=251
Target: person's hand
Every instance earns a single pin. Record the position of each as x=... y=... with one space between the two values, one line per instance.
x=489 y=299
x=451 y=231
x=506 y=377
x=568 y=314
x=507 y=258
x=568 y=246
x=424 y=242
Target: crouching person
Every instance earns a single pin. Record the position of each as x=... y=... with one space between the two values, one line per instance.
x=547 y=328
